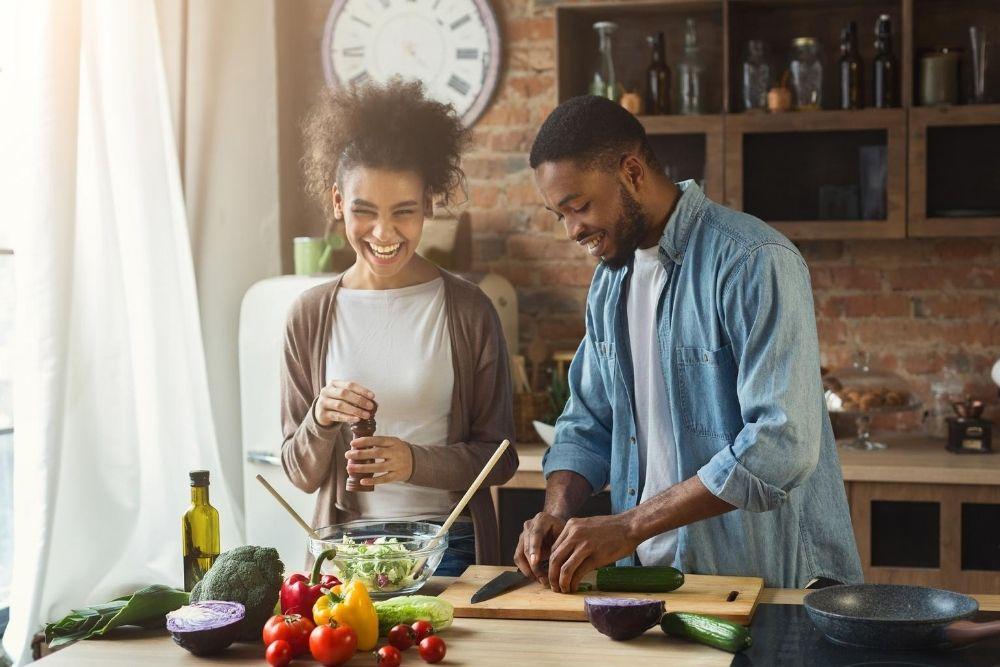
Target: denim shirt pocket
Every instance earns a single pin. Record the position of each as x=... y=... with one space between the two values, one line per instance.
x=706 y=381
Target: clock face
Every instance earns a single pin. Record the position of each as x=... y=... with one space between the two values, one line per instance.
x=453 y=46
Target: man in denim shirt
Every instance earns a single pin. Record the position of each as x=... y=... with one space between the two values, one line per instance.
x=696 y=391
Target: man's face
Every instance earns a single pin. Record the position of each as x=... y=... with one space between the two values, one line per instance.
x=598 y=211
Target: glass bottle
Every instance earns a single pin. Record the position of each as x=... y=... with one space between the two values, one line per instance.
x=690 y=74
x=199 y=531
x=850 y=68
x=605 y=84
x=885 y=69
x=657 y=78
x=807 y=74
x=756 y=77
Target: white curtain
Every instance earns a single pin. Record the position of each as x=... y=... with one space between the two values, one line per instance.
x=111 y=403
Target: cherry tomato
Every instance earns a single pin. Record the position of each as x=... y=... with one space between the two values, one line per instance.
x=389 y=656
x=292 y=628
x=422 y=629
x=333 y=645
x=432 y=649
x=279 y=653
x=402 y=636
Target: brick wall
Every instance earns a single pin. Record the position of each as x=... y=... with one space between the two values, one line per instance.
x=929 y=310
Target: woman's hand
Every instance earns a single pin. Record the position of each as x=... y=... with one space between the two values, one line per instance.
x=343 y=401
x=395 y=459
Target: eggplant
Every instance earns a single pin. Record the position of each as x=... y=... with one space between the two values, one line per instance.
x=623 y=618
x=208 y=627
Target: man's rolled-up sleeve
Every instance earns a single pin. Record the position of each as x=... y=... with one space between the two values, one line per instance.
x=583 y=431
x=769 y=317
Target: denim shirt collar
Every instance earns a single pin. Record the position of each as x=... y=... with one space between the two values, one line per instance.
x=689 y=208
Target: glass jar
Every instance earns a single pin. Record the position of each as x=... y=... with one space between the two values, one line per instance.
x=807 y=74
x=756 y=77
x=690 y=74
x=605 y=83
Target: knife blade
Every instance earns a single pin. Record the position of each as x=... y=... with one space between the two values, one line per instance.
x=503 y=582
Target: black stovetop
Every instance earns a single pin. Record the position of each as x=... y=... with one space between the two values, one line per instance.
x=784 y=635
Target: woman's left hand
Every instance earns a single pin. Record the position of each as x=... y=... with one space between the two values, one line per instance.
x=396 y=459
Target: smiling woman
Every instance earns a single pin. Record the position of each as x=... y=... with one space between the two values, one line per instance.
x=394 y=331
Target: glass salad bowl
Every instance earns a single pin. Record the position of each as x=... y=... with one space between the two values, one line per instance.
x=390 y=557
x=863 y=391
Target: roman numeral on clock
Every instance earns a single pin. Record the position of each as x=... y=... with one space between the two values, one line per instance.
x=459 y=85
x=460 y=22
x=354 y=51
x=361 y=21
x=385 y=4
x=467 y=54
x=359 y=79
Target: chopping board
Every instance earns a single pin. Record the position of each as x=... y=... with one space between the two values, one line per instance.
x=700 y=594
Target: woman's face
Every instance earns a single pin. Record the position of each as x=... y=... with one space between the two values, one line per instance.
x=384 y=215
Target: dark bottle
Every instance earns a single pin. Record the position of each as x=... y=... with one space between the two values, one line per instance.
x=850 y=68
x=657 y=78
x=199 y=532
x=885 y=67
x=362 y=429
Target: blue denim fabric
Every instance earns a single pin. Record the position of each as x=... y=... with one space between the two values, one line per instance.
x=740 y=359
x=461 y=551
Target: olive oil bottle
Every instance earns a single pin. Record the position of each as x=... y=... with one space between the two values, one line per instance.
x=199 y=531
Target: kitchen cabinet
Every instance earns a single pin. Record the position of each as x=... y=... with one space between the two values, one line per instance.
x=921 y=514
x=812 y=174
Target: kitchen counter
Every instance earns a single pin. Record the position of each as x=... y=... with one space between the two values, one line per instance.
x=471 y=641
x=909 y=459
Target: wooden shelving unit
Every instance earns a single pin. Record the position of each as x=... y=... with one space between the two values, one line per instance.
x=777 y=166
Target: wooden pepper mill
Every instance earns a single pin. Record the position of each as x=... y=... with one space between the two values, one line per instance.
x=362 y=429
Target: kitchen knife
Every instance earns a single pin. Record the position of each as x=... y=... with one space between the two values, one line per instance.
x=500 y=584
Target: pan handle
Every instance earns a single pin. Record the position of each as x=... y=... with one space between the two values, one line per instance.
x=961 y=633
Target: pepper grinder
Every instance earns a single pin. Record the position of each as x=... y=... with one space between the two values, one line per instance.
x=362 y=429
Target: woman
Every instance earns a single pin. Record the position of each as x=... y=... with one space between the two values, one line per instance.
x=394 y=332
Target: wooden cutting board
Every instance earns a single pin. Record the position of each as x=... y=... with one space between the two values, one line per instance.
x=701 y=594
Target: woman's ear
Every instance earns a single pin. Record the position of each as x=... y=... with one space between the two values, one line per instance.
x=338 y=202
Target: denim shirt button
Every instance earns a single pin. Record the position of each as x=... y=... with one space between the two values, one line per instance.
x=631 y=492
x=632 y=440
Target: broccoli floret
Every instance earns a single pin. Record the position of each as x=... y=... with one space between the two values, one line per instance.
x=249 y=575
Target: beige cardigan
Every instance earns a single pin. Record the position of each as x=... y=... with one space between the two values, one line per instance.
x=481 y=411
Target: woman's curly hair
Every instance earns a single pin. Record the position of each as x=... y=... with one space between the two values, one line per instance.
x=389 y=126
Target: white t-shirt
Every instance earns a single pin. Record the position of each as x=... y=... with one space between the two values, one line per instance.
x=396 y=343
x=655 y=438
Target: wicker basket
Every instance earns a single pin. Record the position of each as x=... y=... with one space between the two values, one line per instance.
x=529 y=408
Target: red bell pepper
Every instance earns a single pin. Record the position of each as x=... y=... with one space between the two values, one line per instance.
x=299 y=592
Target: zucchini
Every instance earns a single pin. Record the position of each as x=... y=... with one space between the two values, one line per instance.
x=707 y=630
x=639 y=579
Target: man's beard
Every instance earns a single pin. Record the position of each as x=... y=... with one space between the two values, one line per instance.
x=628 y=231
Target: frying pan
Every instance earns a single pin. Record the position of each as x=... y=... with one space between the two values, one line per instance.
x=896 y=617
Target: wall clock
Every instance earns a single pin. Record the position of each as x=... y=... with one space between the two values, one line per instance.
x=453 y=46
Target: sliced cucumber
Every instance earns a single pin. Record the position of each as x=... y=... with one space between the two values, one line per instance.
x=639 y=579
x=707 y=630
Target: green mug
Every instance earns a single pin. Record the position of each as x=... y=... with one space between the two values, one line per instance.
x=312 y=253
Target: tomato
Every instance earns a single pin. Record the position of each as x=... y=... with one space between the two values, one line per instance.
x=279 y=653
x=333 y=645
x=422 y=629
x=292 y=628
x=432 y=649
x=402 y=636
x=389 y=656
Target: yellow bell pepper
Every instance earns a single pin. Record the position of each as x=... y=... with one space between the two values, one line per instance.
x=349 y=604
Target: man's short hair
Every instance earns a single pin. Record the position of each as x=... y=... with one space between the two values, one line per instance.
x=593 y=131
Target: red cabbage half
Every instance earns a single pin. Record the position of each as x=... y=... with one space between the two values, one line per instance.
x=206 y=627
x=623 y=618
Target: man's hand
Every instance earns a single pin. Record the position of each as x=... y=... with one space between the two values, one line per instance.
x=395 y=459
x=533 y=545
x=585 y=545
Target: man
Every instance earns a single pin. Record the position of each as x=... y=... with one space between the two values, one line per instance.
x=696 y=391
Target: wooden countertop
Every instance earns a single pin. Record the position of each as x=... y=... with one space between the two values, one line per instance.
x=909 y=459
x=470 y=641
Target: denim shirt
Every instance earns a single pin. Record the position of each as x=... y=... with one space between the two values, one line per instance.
x=740 y=359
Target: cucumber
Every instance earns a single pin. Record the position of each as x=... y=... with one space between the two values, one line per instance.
x=707 y=630
x=639 y=579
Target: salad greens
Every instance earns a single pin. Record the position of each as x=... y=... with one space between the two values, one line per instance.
x=382 y=563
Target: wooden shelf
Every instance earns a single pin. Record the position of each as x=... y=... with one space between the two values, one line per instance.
x=674 y=124
x=799 y=121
